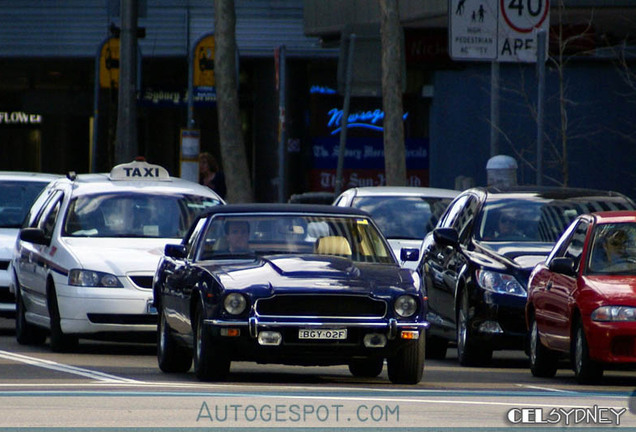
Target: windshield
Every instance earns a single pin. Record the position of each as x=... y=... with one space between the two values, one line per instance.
x=403 y=217
x=538 y=220
x=16 y=198
x=247 y=235
x=613 y=249
x=134 y=215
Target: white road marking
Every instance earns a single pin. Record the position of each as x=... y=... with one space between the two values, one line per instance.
x=48 y=364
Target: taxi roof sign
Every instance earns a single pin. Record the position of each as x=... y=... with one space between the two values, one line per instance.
x=139 y=170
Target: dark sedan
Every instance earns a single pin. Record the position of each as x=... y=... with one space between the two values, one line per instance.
x=288 y=284
x=476 y=263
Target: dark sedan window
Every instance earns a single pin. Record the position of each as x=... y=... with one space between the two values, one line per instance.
x=537 y=220
x=236 y=236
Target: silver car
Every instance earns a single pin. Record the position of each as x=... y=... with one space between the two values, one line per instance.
x=404 y=214
x=17 y=192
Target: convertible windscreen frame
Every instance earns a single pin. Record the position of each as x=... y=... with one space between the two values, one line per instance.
x=353 y=237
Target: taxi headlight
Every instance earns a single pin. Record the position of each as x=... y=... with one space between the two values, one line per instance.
x=405 y=306
x=235 y=303
x=89 y=278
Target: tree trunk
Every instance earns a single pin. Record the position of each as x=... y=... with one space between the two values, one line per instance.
x=394 y=149
x=233 y=154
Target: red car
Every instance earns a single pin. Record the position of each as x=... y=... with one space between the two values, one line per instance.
x=582 y=299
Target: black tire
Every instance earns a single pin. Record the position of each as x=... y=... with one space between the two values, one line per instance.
x=470 y=352
x=586 y=370
x=172 y=357
x=59 y=341
x=367 y=368
x=543 y=360
x=26 y=333
x=210 y=362
x=436 y=347
x=407 y=365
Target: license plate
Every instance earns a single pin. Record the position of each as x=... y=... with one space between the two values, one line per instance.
x=322 y=334
x=151 y=309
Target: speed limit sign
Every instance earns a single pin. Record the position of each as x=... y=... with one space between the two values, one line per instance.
x=519 y=22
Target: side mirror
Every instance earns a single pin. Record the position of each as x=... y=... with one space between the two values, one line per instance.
x=34 y=235
x=563 y=265
x=409 y=254
x=176 y=251
x=446 y=236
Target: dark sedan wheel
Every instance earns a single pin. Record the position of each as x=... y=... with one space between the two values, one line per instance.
x=469 y=351
x=543 y=361
x=586 y=370
x=210 y=363
x=407 y=366
x=366 y=368
x=26 y=333
x=172 y=357
x=59 y=341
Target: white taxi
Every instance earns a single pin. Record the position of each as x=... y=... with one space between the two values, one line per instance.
x=86 y=256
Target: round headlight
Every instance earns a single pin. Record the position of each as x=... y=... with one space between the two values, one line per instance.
x=235 y=303
x=405 y=306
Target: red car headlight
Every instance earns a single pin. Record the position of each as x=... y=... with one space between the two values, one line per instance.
x=614 y=313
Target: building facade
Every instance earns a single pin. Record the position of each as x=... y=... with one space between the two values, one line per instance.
x=588 y=137
x=54 y=118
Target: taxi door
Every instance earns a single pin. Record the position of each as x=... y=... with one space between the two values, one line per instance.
x=35 y=259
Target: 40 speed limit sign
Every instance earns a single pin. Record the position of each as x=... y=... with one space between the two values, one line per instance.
x=496 y=30
x=519 y=22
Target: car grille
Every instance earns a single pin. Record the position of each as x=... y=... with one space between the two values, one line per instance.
x=325 y=305
x=142 y=281
x=4 y=265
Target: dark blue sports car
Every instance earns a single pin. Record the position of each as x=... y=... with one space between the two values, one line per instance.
x=288 y=284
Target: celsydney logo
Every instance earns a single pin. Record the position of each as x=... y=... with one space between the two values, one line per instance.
x=569 y=416
x=361 y=119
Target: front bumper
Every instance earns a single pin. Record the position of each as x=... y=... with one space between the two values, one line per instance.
x=105 y=310
x=612 y=342
x=498 y=319
x=245 y=344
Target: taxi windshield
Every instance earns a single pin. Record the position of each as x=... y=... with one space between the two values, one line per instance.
x=134 y=215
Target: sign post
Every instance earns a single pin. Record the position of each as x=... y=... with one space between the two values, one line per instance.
x=496 y=30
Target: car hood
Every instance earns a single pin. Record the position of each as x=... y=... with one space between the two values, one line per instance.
x=117 y=256
x=619 y=289
x=7 y=242
x=523 y=255
x=312 y=272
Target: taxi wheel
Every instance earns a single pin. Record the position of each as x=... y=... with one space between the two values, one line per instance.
x=586 y=370
x=26 y=333
x=469 y=351
x=210 y=363
x=543 y=361
x=59 y=341
x=172 y=357
x=407 y=366
x=366 y=368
